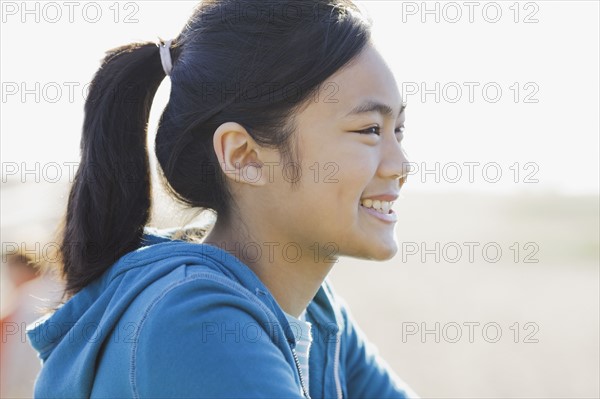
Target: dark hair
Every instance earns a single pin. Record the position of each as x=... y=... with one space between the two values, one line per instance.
x=251 y=62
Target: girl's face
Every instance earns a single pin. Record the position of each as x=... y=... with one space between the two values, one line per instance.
x=348 y=140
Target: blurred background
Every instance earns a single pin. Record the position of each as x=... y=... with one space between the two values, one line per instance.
x=495 y=289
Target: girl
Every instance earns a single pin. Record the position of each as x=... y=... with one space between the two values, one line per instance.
x=284 y=120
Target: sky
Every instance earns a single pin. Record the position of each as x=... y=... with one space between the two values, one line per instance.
x=502 y=96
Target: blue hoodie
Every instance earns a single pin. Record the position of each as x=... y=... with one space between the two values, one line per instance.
x=181 y=319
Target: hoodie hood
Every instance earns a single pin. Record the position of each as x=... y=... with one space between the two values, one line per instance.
x=73 y=336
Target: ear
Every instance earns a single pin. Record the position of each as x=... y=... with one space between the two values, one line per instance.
x=239 y=155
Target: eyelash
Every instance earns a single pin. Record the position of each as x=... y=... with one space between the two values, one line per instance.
x=367 y=131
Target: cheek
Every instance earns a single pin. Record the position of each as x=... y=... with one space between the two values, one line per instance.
x=342 y=178
x=333 y=194
x=334 y=176
x=354 y=176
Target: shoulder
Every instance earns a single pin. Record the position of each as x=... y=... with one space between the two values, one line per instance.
x=205 y=335
x=191 y=295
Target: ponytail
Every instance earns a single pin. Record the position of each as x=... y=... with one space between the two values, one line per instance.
x=109 y=202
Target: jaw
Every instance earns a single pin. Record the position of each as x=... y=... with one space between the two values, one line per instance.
x=369 y=238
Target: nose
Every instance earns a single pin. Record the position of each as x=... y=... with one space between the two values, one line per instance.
x=394 y=161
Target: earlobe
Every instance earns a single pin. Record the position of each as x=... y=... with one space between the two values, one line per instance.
x=238 y=154
x=252 y=173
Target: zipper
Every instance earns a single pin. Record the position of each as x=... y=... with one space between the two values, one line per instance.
x=302 y=384
x=336 y=365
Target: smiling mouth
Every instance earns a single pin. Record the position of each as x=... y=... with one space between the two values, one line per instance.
x=383 y=207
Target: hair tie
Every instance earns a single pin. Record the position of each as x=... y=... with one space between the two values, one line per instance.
x=165 y=56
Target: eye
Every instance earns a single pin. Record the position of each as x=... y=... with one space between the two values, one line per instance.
x=370 y=130
x=376 y=130
x=401 y=131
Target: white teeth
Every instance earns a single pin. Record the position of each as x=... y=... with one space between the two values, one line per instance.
x=385 y=207
x=380 y=206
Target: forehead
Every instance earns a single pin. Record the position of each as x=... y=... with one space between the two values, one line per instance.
x=367 y=79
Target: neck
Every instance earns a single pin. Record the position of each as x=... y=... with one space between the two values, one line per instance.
x=292 y=271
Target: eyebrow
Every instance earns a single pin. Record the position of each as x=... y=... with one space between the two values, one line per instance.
x=373 y=106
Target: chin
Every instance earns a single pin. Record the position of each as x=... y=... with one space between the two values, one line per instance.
x=377 y=250
x=384 y=252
